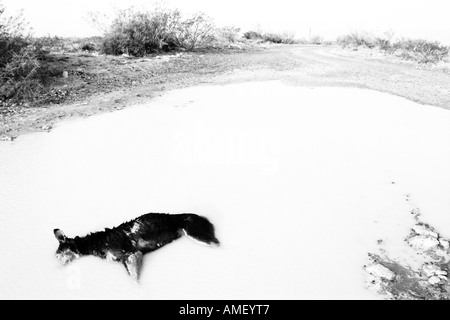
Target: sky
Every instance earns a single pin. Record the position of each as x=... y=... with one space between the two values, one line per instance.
x=327 y=18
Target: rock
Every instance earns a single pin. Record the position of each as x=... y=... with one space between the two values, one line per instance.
x=7 y=139
x=380 y=271
x=444 y=243
x=65 y=74
x=442 y=253
x=423 y=230
x=46 y=127
x=423 y=243
x=430 y=270
x=434 y=280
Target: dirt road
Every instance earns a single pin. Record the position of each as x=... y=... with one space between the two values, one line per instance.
x=108 y=84
x=333 y=66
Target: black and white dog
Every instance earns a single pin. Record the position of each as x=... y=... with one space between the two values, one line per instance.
x=128 y=242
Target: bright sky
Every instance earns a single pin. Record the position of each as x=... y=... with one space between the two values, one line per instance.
x=328 y=18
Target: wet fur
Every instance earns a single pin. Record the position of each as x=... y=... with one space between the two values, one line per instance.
x=128 y=242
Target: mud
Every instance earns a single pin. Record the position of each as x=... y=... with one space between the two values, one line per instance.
x=398 y=281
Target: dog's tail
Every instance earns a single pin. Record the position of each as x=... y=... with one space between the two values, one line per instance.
x=199 y=228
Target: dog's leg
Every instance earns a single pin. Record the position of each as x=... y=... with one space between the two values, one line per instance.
x=133 y=264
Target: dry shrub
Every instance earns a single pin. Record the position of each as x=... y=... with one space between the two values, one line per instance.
x=142 y=32
x=19 y=60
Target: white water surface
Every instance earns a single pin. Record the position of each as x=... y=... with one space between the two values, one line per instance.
x=299 y=182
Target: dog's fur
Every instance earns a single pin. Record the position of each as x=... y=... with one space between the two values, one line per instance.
x=128 y=242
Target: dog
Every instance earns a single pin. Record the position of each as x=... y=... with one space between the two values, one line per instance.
x=128 y=242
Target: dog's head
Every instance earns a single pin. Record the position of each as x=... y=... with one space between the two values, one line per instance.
x=67 y=251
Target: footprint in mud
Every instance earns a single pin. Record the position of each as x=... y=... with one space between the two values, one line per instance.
x=398 y=281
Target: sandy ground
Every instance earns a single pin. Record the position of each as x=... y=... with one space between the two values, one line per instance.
x=102 y=84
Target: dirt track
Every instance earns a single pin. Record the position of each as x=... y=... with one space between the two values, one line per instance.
x=133 y=81
x=334 y=66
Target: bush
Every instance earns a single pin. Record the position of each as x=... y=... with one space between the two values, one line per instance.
x=249 y=35
x=289 y=38
x=12 y=40
x=20 y=75
x=88 y=47
x=273 y=37
x=141 y=32
x=10 y=45
x=19 y=61
x=383 y=44
x=317 y=40
x=284 y=37
x=134 y=33
x=302 y=41
x=230 y=33
x=191 y=33
x=356 y=39
x=113 y=44
x=422 y=51
x=62 y=45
